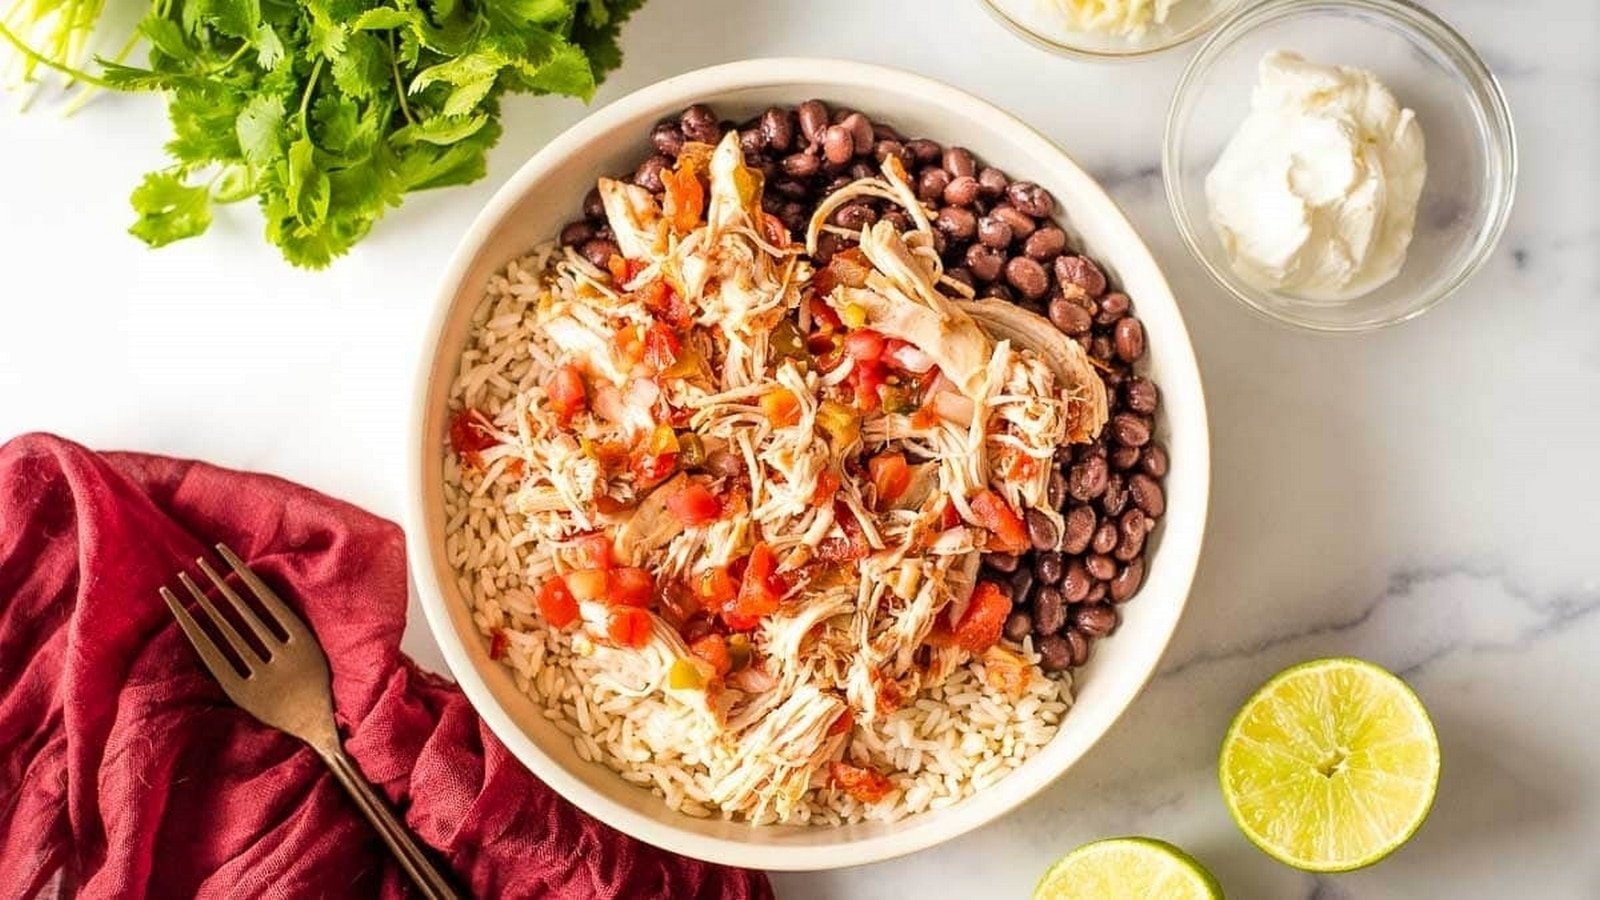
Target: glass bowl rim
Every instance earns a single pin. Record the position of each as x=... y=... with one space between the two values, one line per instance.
x=1228 y=8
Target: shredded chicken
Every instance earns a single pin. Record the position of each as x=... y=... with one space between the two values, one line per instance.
x=783 y=455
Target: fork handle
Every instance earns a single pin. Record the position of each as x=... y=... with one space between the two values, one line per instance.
x=424 y=874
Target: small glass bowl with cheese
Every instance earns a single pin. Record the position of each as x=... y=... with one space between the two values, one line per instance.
x=1431 y=70
x=1110 y=29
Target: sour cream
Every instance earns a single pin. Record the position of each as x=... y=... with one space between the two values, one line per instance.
x=1316 y=194
x=1125 y=18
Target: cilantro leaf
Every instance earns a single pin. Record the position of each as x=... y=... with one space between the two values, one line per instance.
x=259 y=128
x=168 y=209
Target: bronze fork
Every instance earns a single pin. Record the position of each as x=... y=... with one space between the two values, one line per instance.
x=287 y=687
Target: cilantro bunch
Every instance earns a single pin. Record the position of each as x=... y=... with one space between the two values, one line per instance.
x=328 y=112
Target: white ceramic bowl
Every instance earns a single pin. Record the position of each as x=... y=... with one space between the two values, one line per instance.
x=546 y=192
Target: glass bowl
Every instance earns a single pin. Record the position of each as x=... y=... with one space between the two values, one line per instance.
x=1041 y=23
x=1466 y=125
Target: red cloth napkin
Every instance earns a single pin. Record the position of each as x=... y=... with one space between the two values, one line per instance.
x=124 y=766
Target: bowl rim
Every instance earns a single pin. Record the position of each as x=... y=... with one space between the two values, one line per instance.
x=1488 y=99
x=1183 y=532
x=1138 y=52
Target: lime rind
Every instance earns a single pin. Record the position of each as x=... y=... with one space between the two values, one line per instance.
x=1281 y=783
x=1134 y=868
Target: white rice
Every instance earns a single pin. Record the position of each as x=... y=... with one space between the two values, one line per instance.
x=948 y=742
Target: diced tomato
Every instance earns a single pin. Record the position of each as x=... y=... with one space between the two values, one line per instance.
x=890 y=475
x=588 y=584
x=566 y=390
x=773 y=229
x=624 y=270
x=661 y=347
x=866 y=785
x=891 y=696
x=469 y=435
x=557 y=604
x=852 y=546
x=865 y=345
x=686 y=197
x=630 y=586
x=949 y=517
x=823 y=318
x=713 y=648
x=593 y=551
x=715 y=587
x=660 y=298
x=781 y=407
x=841 y=724
x=695 y=505
x=1007 y=533
x=979 y=628
x=759 y=590
x=498 y=644
x=628 y=626
x=630 y=344
x=827 y=487
x=924 y=418
x=868 y=380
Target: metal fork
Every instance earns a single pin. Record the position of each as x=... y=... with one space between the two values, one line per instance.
x=287 y=687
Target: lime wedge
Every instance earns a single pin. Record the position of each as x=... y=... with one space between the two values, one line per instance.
x=1331 y=766
x=1135 y=868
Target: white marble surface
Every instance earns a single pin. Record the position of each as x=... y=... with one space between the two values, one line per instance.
x=1426 y=497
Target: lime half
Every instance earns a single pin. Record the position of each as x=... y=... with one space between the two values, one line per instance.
x=1134 y=868
x=1331 y=766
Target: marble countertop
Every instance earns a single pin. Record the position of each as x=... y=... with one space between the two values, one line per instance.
x=1426 y=497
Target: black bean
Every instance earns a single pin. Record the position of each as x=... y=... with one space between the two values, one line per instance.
x=898 y=218
x=882 y=150
x=1001 y=562
x=838 y=147
x=801 y=165
x=1079 y=646
x=956 y=223
x=1021 y=224
x=1076 y=582
x=1045 y=244
x=1021 y=582
x=959 y=273
x=1082 y=272
x=887 y=133
x=924 y=151
x=1100 y=348
x=1087 y=480
x=961 y=191
x=789 y=189
x=861 y=169
x=1140 y=395
x=1018 y=626
x=753 y=145
x=699 y=123
x=777 y=129
x=1122 y=458
x=854 y=216
x=984 y=262
x=1132 y=532
x=724 y=464
x=993 y=232
x=860 y=128
x=1100 y=566
x=1047 y=567
x=1130 y=430
x=1027 y=276
x=813 y=115
x=931 y=183
x=1042 y=532
x=1096 y=620
x=1113 y=306
x=594 y=208
x=1031 y=199
x=1096 y=593
x=1080 y=528
x=1068 y=316
x=1128 y=339
x=1115 y=499
x=1105 y=537
x=958 y=161
x=667 y=138
x=1127 y=581
x=999 y=291
x=598 y=252
x=1056 y=494
x=1147 y=494
x=1049 y=610
x=648 y=175
x=575 y=233
x=828 y=244
x=992 y=182
x=1154 y=461
x=793 y=216
x=1055 y=653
